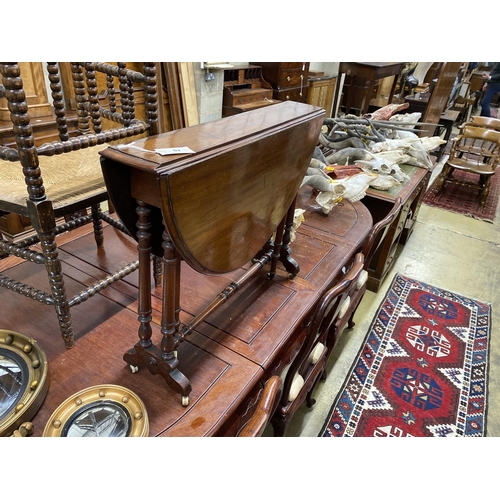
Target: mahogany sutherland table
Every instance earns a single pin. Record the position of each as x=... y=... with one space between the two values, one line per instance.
x=221 y=214
x=214 y=207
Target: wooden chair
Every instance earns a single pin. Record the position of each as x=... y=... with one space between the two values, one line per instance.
x=372 y=243
x=464 y=105
x=482 y=122
x=265 y=408
x=475 y=150
x=476 y=83
x=52 y=181
x=302 y=374
x=335 y=311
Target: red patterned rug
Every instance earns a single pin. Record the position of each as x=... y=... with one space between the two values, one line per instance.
x=461 y=200
x=422 y=370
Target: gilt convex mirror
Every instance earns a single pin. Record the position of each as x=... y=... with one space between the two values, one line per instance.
x=23 y=380
x=100 y=411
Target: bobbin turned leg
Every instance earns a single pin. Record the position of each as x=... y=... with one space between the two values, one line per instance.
x=45 y=227
x=97 y=223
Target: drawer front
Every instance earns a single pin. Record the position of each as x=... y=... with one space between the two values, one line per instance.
x=247 y=98
x=242 y=415
x=295 y=94
x=292 y=78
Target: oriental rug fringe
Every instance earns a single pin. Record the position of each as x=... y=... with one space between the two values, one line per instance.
x=422 y=369
x=461 y=200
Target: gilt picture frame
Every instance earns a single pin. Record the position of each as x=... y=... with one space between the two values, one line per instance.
x=100 y=411
x=24 y=380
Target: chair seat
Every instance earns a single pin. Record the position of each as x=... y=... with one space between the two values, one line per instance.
x=471 y=166
x=67 y=179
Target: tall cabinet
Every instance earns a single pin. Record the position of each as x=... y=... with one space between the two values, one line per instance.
x=289 y=80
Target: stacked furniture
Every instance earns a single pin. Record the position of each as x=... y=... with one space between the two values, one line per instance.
x=289 y=80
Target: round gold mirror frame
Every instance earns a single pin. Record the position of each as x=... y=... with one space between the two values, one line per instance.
x=106 y=393
x=33 y=357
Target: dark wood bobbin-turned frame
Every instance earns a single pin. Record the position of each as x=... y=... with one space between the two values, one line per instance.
x=60 y=180
x=216 y=209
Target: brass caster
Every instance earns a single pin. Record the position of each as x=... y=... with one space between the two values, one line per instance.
x=185 y=400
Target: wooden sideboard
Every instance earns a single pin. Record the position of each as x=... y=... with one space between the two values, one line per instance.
x=380 y=203
x=229 y=357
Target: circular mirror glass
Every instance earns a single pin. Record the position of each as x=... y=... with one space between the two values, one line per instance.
x=13 y=380
x=102 y=419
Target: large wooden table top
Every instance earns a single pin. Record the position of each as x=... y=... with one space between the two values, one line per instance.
x=228 y=356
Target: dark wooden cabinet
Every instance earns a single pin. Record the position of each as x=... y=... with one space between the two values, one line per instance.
x=289 y=80
x=380 y=203
x=353 y=95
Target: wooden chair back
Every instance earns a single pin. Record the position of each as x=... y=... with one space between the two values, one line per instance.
x=484 y=122
x=100 y=115
x=378 y=233
x=46 y=181
x=372 y=243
